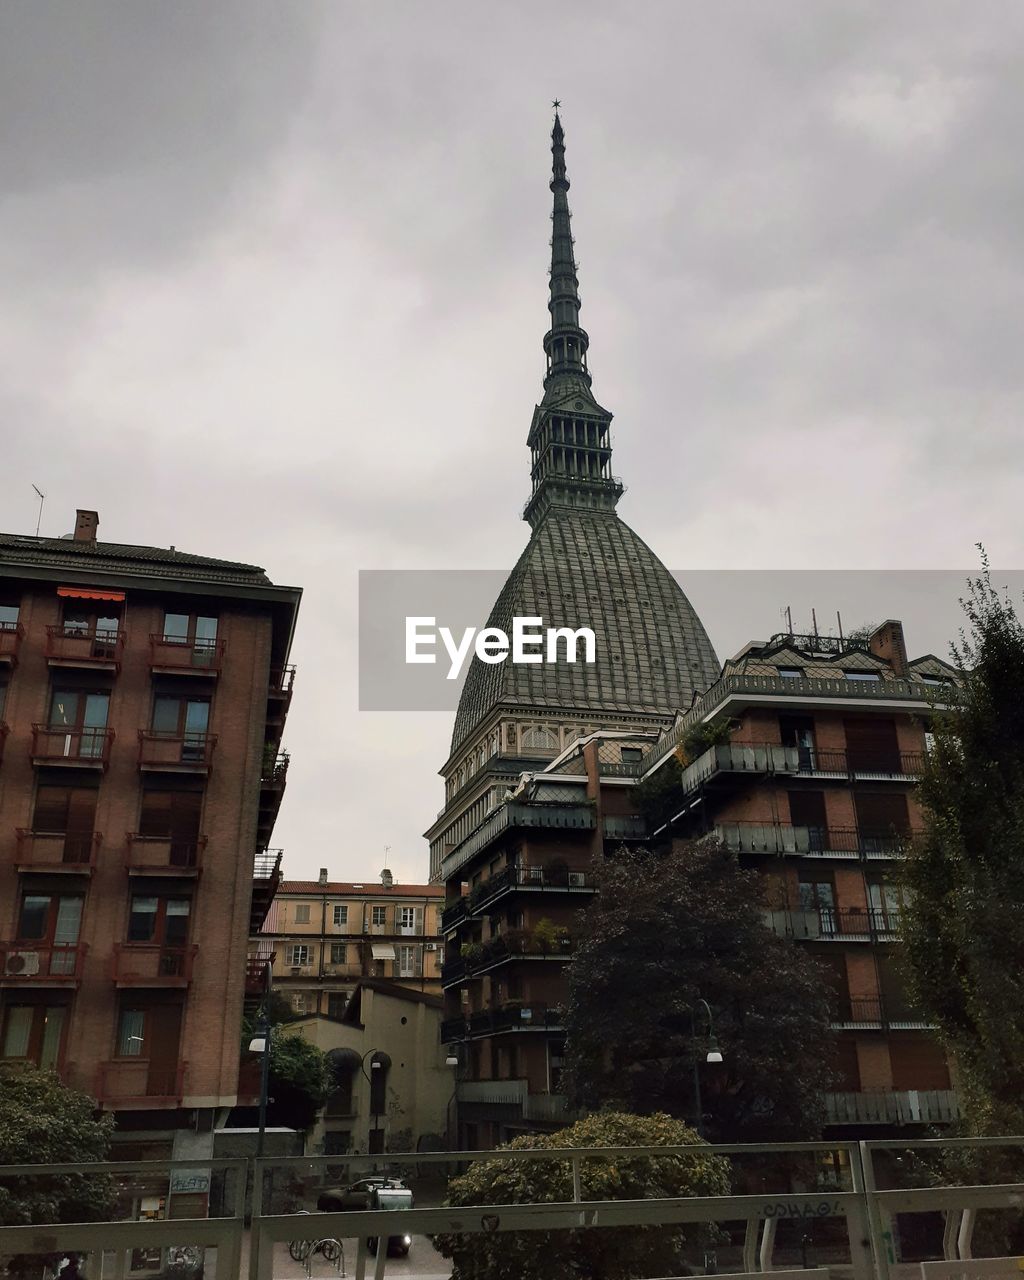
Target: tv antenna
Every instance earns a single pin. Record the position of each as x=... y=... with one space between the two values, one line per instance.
x=42 y=499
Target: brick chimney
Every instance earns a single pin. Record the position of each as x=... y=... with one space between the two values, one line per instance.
x=86 y=524
x=887 y=642
x=322 y=881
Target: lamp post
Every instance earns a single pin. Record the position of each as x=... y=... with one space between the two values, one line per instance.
x=375 y=1065
x=714 y=1054
x=260 y=1043
x=452 y=1060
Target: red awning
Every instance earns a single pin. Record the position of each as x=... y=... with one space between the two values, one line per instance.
x=89 y=593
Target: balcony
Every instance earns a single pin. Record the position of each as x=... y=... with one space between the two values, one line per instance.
x=266 y=876
x=455 y=914
x=57 y=851
x=509 y=1018
x=760 y=760
x=41 y=964
x=273 y=780
x=100 y=649
x=895 y=1107
x=164 y=751
x=514 y=816
x=257 y=974
x=145 y=965
x=833 y=924
x=11 y=636
x=78 y=748
x=279 y=696
x=859 y=1013
x=185 y=657
x=137 y=1081
x=785 y=839
x=518 y=945
x=549 y=879
x=163 y=855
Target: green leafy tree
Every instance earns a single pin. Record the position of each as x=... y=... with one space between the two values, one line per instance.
x=300 y=1079
x=42 y=1122
x=963 y=924
x=666 y=931
x=608 y=1254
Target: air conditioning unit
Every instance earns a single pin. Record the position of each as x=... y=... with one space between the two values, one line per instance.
x=577 y=879
x=430 y=946
x=21 y=964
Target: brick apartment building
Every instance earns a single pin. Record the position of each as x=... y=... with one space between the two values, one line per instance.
x=143 y=695
x=322 y=937
x=818 y=745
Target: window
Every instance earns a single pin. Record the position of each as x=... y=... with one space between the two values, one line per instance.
x=380 y=915
x=817 y=897
x=304 y=1001
x=67 y=811
x=299 y=954
x=631 y=755
x=791 y=673
x=99 y=619
x=152 y=1032
x=872 y=745
x=172 y=814
x=159 y=920
x=408 y=919
x=410 y=962
x=807 y=809
x=131 y=1033
x=9 y=612
x=540 y=738
x=339 y=953
x=337 y=1002
x=84 y=715
x=50 y=918
x=33 y=1033
x=302 y=913
x=862 y=675
x=187 y=718
x=340 y=915
x=189 y=628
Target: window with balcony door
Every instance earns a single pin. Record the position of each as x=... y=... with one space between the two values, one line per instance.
x=886 y=902
x=337 y=1003
x=82 y=714
x=100 y=619
x=410 y=919
x=173 y=812
x=184 y=718
x=410 y=962
x=883 y=819
x=34 y=1033
x=872 y=745
x=158 y=921
x=817 y=899
x=10 y=610
x=52 y=922
x=150 y=1030
x=797 y=732
x=807 y=810
x=69 y=812
x=195 y=630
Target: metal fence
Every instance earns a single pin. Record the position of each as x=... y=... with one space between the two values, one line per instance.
x=839 y=1209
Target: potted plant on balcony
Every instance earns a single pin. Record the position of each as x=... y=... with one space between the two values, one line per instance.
x=472 y=952
x=517 y=940
x=548 y=938
x=701 y=737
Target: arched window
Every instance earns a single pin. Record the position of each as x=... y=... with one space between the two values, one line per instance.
x=540 y=738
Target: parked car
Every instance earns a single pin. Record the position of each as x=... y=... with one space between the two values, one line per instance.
x=374 y=1192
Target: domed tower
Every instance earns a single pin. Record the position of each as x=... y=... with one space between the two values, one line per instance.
x=583 y=567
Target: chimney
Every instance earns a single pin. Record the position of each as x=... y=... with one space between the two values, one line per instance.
x=86 y=524
x=887 y=642
x=322 y=882
x=387 y=879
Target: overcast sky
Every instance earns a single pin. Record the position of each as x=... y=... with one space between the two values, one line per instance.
x=274 y=286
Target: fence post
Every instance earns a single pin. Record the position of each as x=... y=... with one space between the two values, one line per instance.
x=750 y=1244
x=767 y=1244
x=881 y=1240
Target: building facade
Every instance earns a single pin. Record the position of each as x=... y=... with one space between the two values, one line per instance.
x=323 y=937
x=143 y=695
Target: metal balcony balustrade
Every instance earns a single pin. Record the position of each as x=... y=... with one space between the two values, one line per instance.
x=274 y=774
x=181 y=752
x=57 y=850
x=59 y=744
x=893 y=1106
x=41 y=963
x=144 y=964
x=78 y=646
x=513 y=880
x=126 y=1080
x=519 y=1017
x=833 y=923
x=503 y=950
x=878 y=1012
x=282 y=681
x=164 y=855
x=11 y=636
x=765 y=759
x=517 y=816
x=191 y=657
x=785 y=838
x=793 y=690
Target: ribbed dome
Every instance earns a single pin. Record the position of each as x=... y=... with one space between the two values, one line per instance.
x=588 y=569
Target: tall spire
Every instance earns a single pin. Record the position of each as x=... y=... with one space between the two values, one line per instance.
x=569 y=438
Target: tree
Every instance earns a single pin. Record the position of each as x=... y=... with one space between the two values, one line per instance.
x=42 y=1122
x=300 y=1079
x=963 y=923
x=666 y=931
x=607 y=1254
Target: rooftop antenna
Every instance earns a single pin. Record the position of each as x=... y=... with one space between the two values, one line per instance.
x=814 y=623
x=42 y=499
x=839 y=623
x=789 y=620
x=387 y=850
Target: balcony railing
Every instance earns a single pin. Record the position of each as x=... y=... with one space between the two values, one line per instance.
x=256 y=973
x=503 y=950
x=43 y=963
x=184 y=752
x=56 y=850
x=760 y=759
x=275 y=772
x=282 y=681
x=192 y=657
x=833 y=923
x=127 y=1080
x=487 y=1022
x=149 y=965
x=62 y=745
x=164 y=854
x=69 y=645
x=930 y=1106
x=784 y=838
x=11 y=636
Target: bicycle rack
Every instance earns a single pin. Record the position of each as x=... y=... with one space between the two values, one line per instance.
x=337 y=1262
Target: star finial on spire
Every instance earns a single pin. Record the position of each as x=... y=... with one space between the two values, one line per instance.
x=556 y=103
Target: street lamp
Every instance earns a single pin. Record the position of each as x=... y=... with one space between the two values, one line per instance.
x=453 y=1061
x=714 y=1054
x=375 y=1065
x=260 y=1043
